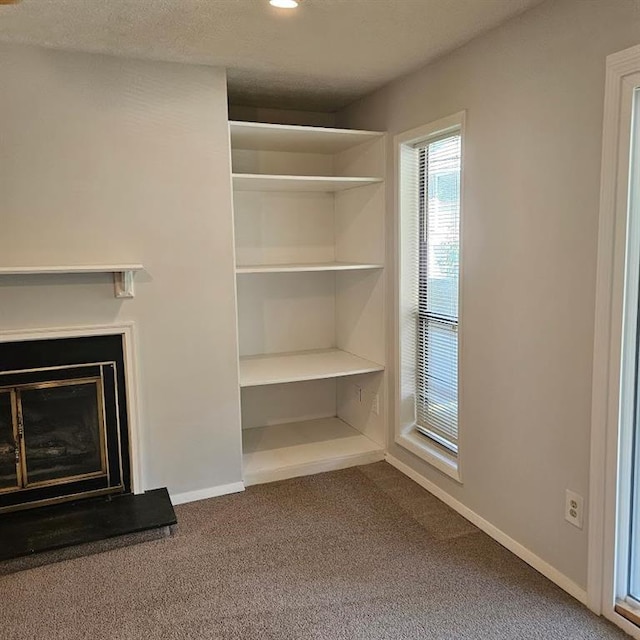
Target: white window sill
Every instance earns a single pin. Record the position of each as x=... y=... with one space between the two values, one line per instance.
x=430 y=453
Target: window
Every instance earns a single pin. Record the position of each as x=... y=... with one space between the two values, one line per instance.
x=439 y=267
x=429 y=198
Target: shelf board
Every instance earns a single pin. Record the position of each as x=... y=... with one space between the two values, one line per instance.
x=280 y=368
x=301 y=448
x=123 y=274
x=257 y=136
x=265 y=182
x=298 y=268
x=104 y=268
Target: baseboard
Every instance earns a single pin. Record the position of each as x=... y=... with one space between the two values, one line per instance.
x=203 y=494
x=498 y=535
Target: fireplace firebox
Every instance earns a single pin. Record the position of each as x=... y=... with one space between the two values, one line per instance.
x=63 y=420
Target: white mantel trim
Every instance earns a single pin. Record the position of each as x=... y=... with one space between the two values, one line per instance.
x=123 y=274
x=128 y=331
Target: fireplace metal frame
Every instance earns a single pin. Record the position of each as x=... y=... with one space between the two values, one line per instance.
x=16 y=438
x=22 y=473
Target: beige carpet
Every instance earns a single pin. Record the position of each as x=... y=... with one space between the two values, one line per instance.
x=357 y=554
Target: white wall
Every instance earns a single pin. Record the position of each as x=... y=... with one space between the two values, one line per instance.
x=533 y=91
x=107 y=160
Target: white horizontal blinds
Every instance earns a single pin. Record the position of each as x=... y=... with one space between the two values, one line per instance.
x=439 y=164
x=409 y=252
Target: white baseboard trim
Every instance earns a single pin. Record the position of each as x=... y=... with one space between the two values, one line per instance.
x=498 y=535
x=203 y=494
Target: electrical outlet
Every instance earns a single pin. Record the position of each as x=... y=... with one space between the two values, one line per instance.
x=375 y=404
x=357 y=392
x=574 y=508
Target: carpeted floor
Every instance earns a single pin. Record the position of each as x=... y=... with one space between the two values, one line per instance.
x=363 y=553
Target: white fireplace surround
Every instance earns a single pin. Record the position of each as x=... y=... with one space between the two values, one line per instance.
x=127 y=331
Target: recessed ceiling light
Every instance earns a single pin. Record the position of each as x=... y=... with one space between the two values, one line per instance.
x=284 y=4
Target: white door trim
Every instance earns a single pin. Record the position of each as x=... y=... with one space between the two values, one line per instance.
x=610 y=284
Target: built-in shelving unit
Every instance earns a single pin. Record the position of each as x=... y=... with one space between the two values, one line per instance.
x=309 y=228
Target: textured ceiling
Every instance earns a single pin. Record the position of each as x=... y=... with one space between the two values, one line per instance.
x=321 y=56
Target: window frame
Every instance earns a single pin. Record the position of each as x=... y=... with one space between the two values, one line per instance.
x=406 y=279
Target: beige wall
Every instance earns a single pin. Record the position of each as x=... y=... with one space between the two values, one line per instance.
x=282 y=116
x=107 y=160
x=533 y=91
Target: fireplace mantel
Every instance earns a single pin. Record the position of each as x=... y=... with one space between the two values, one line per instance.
x=123 y=274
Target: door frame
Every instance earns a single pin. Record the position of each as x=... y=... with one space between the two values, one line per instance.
x=608 y=337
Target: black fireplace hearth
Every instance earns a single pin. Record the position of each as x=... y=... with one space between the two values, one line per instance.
x=34 y=537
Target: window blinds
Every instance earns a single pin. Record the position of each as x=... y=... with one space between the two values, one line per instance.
x=439 y=167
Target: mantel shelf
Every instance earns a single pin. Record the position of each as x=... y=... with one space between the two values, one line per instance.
x=122 y=274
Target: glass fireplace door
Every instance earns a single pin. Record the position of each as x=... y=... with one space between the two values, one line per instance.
x=61 y=425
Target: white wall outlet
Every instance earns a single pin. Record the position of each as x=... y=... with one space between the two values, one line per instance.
x=375 y=404
x=574 y=508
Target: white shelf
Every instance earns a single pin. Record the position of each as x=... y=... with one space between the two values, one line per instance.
x=265 y=182
x=301 y=448
x=122 y=274
x=298 y=268
x=106 y=268
x=281 y=368
x=258 y=136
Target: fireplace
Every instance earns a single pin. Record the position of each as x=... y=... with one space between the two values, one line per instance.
x=63 y=420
